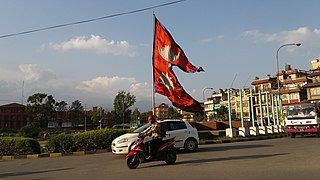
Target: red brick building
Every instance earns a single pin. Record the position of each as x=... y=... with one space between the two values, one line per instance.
x=13 y=116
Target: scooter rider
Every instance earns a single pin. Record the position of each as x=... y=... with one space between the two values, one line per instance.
x=155 y=132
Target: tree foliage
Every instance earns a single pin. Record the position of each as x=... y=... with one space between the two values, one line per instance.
x=61 y=106
x=76 y=113
x=122 y=102
x=42 y=106
x=198 y=116
x=173 y=114
x=222 y=113
x=96 y=116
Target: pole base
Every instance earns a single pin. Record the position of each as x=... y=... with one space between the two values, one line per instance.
x=243 y=131
x=231 y=132
x=253 y=131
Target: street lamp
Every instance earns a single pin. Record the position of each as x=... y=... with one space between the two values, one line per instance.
x=277 y=56
x=204 y=111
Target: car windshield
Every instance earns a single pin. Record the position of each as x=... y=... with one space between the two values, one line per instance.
x=301 y=110
x=142 y=128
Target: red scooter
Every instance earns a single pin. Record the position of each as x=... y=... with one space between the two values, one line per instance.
x=138 y=154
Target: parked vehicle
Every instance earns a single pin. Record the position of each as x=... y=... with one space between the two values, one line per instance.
x=138 y=154
x=303 y=119
x=186 y=136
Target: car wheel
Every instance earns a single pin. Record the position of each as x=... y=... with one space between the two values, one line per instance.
x=293 y=135
x=190 y=145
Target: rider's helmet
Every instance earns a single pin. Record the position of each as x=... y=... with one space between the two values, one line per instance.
x=152 y=118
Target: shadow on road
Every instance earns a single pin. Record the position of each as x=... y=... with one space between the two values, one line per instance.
x=199 y=161
x=4 y=175
x=226 y=148
x=195 y=161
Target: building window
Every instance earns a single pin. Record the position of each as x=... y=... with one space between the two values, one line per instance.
x=315 y=91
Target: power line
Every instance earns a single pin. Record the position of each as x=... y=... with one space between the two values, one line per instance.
x=89 y=20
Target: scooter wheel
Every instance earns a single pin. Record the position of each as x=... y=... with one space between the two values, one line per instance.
x=170 y=157
x=133 y=162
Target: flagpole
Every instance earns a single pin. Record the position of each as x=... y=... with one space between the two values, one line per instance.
x=153 y=90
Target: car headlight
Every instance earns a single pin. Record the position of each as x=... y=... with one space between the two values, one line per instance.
x=123 y=140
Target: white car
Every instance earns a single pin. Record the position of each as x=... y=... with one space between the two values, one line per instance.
x=186 y=136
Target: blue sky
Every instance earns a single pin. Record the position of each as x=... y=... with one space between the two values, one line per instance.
x=93 y=61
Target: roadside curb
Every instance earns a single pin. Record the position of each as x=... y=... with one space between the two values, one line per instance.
x=82 y=153
x=52 y=155
x=242 y=139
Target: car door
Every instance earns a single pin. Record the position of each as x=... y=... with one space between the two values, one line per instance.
x=177 y=129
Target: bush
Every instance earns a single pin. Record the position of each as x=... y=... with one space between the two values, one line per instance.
x=29 y=132
x=86 y=141
x=18 y=146
x=98 y=139
x=61 y=143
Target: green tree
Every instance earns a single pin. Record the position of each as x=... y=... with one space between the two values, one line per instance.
x=222 y=113
x=122 y=102
x=144 y=116
x=198 y=116
x=173 y=114
x=61 y=109
x=61 y=106
x=135 y=114
x=110 y=118
x=76 y=114
x=96 y=117
x=42 y=107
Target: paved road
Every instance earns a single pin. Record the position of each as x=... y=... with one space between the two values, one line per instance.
x=283 y=158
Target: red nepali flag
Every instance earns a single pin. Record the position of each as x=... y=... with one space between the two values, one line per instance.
x=165 y=54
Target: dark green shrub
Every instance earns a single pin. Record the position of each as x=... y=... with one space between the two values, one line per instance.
x=61 y=143
x=98 y=139
x=29 y=132
x=86 y=141
x=18 y=146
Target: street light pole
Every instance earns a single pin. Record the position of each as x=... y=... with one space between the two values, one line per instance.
x=278 y=74
x=204 y=111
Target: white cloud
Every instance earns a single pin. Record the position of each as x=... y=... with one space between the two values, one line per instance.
x=96 y=91
x=209 y=40
x=8 y=75
x=97 y=44
x=32 y=72
x=109 y=86
x=302 y=34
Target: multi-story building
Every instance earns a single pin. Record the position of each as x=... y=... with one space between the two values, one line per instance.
x=292 y=82
x=219 y=99
x=262 y=97
x=13 y=116
x=245 y=104
x=213 y=103
x=313 y=88
x=161 y=111
x=188 y=116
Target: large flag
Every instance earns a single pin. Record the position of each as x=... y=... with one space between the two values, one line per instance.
x=167 y=53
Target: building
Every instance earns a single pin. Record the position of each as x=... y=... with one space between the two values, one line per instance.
x=13 y=116
x=263 y=93
x=313 y=88
x=188 y=116
x=213 y=103
x=292 y=82
x=219 y=99
x=161 y=111
x=245 y=98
